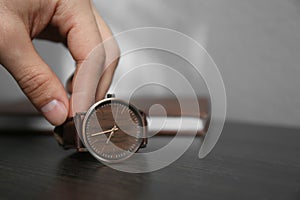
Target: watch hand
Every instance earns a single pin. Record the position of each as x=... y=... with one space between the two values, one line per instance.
x=107 y=131
x=110 y=135
x=115 y=128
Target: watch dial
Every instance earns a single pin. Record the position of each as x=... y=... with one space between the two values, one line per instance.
x=113 y=130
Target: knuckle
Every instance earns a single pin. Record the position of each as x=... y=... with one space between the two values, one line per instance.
x=35 y=84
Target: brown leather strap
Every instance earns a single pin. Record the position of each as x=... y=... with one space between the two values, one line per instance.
x=145 y=139
x=66 y=135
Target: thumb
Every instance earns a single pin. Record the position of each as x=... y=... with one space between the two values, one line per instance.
x=36 y=79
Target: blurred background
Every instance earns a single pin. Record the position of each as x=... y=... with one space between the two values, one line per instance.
x=255 y=44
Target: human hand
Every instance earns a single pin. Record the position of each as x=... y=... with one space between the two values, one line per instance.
x=74 y=23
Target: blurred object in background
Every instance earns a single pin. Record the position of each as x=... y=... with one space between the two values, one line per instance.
x=255 y=44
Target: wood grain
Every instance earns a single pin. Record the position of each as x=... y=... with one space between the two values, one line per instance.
x=248 y=162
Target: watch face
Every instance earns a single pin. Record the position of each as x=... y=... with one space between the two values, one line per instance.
x=113 y=130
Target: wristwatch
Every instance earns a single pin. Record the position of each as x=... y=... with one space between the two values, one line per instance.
x=112 y=130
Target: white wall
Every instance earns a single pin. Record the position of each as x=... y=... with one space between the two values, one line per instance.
x=256 y=45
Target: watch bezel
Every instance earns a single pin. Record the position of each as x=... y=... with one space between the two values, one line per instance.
x=91 y=110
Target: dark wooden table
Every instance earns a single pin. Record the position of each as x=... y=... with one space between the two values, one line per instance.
x=249 y=162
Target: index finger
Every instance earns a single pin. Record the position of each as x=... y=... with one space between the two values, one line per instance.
x=112 y=53
x=75 y=20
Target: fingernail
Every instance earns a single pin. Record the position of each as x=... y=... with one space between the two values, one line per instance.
x=55 y=112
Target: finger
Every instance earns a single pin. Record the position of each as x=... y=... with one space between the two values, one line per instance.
x=34 y=77
x=112 y=53
x=75 y=21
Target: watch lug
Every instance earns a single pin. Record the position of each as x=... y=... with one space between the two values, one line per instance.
x=144 y=143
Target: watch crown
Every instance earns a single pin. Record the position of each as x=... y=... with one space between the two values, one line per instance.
x=110 y=95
